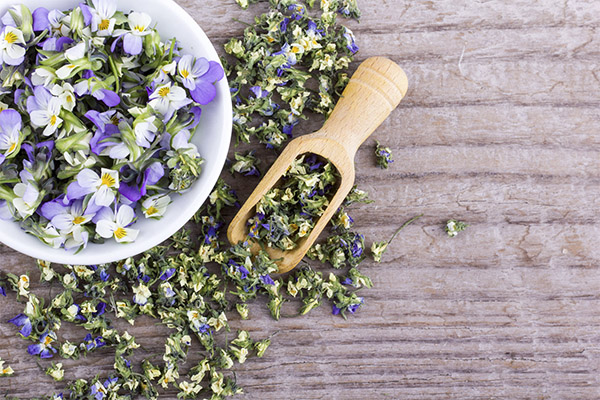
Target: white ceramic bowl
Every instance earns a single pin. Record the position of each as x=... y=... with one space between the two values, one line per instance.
x=212 y=139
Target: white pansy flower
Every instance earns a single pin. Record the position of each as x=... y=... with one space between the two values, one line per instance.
x=12 y=51
x=155 y=206
x=167 y=99
x=102 y=17
x=48 y=118
x=102 y=186
x=145 y=132
x=66 y=95
x=116 y=225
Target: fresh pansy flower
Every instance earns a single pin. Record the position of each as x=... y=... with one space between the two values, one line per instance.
x=103 y=21
x=167 y=99
x=58 y=24
x=145 y=132
x=112 y=225
x=190 y=69
x=51 y=236
x=103 y=187
x=27 y=198
x=155 y=206
x=12 y=51
x=66 y=94
x=44 y=110
x=133 y=40
x=10 y=134
x=43 y=77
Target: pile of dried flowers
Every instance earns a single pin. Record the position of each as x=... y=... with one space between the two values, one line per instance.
x=191 y=283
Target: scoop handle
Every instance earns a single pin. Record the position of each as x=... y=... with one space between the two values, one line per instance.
x=373 y=92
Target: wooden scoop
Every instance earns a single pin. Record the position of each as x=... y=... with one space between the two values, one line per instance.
x=373 y=92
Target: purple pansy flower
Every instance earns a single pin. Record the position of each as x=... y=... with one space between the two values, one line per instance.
x=23 y=322
x=151 y=176
x=10 y=133
x=44 y=348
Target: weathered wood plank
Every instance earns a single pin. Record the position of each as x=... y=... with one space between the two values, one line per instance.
x=499 y=129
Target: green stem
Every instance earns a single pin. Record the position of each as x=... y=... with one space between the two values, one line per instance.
x=407 y=223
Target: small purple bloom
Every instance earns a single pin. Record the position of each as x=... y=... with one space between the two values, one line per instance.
x=44 y=348
x=205 y=90
x=2 y=291
x=335 y=310
x=267 y=280
x=23 y=322
x=104 y=275
x=167 y=274
x=100 y=309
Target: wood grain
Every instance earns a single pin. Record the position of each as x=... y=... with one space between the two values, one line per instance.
x=499 y=129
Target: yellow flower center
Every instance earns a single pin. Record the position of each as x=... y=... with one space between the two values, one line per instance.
x=12 y=148
x=115 y=120
x=11 y=38
x=185 y=73
x=164 y=91
x=139 y=28
x=69 y=98
x=108 y=180
x=120 y=233
x=104 y=24
x=151 y=210
x=78 y=220
x=25 y=279
x=48 y=340
x=53 y=120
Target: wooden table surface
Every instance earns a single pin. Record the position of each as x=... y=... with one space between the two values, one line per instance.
x=500 y=128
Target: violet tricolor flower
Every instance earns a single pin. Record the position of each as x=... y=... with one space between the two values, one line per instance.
x=44 y=348
x=155 y=206
x=44 y=110
x=134 y=39
x=116 y=225
x=167 y=99
x=10 y=133
x=103 y=12
x=103 y=187
x=150 y=177
x=12 y=51
x=23 y=322
x=70 y=221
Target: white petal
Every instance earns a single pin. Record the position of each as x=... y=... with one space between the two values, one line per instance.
x=119 y=151
x=104 y=196
x=39 y=118
x=63 y=221
x=105 y=228
x=88 y=178
x=76 y=52
x=125 y=215
x=177 y=94
x=130 y=236
x=140 y=19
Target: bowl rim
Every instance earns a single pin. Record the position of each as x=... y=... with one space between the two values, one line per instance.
x=112 y=251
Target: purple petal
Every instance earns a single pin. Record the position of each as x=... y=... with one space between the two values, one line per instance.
x=215 y=73
x=153 y=173
x=10 y=120
x=87 y=74
x=34 y=349
x=40 y=19
x=46 y=353
x=97 y=144
x=76 y=191
x=335 y=310
x=96 y=119
x=18 y=94
x=52 y=208
x=49 y=144
x=2 y=158
x=103 y=213
x=132 y=44
x=113 y=46
x=204 y=93
x=62 y=41
x=197 y=111
x=87 y=14
x=110 y=98
x=29 y=150
x=132 y=193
